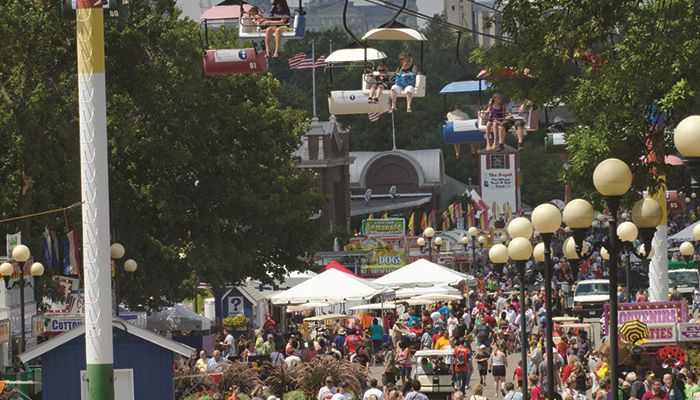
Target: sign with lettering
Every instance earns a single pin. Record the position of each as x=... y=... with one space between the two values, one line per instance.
x=384 y=227
x=661 y=333
x=500 y=186
x=53 y=324
x=688 y=332
x=656 y=313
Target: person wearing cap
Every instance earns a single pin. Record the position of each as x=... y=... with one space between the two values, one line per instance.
x=342 y=393
x=656 y=392
x=327 y=392
x=339 y=340
x=482 y=362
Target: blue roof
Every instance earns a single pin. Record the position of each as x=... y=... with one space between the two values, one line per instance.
x=464 y=87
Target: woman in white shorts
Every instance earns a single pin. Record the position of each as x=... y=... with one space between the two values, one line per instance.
x=405 y=82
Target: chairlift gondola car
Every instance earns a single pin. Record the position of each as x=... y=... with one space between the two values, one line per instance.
x=396 y=31
x=345 y=102
x=249 y=30
x=466 y=131
x=112 y=8
x=229 y=61
x=530 y=117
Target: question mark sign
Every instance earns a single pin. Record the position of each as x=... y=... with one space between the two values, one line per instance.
x=236 y=302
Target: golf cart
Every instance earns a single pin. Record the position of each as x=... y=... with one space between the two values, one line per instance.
x=437 y=378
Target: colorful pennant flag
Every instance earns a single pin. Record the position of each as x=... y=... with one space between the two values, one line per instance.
x=411 y=224
x=423 y=221
x=71 y=264
x=50 y=248
x=433 y=218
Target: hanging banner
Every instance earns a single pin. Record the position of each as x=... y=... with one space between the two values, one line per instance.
x=688 y=332
x=384 y=227
x=12 y=241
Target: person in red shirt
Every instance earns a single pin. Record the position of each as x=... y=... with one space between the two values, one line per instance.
x=352 y=341
x=461 y=366
x=656 y=393
x=491 y=321
x=537 y=393
x=518 y=374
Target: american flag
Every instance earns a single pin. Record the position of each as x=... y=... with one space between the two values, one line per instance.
x=303 y=60
x=374 y=117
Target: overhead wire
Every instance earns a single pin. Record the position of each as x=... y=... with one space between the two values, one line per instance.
x=439 y=21
x=36 y=214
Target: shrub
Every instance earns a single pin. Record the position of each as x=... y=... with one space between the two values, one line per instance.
x=237 y=322
x=280 y=380
x=313 y=375
x=294 y=395
x=241 y=375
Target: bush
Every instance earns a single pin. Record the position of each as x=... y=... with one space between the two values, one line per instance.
x=280 y=380
x=294 y=395
x=313 y=375
x=241 y=375
x=237 y=322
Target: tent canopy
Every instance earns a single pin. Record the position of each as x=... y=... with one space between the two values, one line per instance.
x=685 y=234
x=177 y=318
x=331 y=286
x=421 y=273
x=419 y=291
x=337 y=266
x=465 y=87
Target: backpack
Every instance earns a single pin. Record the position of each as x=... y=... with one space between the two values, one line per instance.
x=461 y=358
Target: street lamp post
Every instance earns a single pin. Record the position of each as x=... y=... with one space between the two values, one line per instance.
x=687 y=250
x=429 y=233
x=546 y=219
x=627 y=233
x=473 y=232
x=686 y=138
x=519 y=250
x=20 y=254
x=116 y=252
x=613 y=178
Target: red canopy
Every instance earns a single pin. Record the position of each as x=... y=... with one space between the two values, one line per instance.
x=340 y=267
x=225 y=12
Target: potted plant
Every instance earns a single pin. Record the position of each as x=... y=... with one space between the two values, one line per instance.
x=238 y=322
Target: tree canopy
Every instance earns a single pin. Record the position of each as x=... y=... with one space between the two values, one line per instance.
x=203 y=181
x=624 y=68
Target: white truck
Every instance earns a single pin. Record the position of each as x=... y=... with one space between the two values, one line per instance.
x=686 y=280
x=589 y=298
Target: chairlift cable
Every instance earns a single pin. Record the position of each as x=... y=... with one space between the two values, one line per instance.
x=459 y=28
x=485 y=6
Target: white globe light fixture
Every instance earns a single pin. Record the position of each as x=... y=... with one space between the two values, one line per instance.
x=21 y=253
x=612 y=177
x=6 y=269
x=627 y=231
x=420 y=242
x=116 y=251
x=473 y=231
x=538 y=252
x=520 y=228
x=647 y=215
x=37 y=269
x=498 y=254
x=429 y=232
x=519 y=249
x=438 y=241
x=130 y=265
x=604 y=254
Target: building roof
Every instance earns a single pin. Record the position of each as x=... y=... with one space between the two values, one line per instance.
x=428 y=164
x=361 y=207
x=144 y=334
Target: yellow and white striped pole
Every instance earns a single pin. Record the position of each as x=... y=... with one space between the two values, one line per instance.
x=95 y=195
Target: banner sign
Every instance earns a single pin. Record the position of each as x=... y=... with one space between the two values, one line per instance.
x=53 y=324
x=384 y=227
x=5 y=331
x=689 y=332
x=73 y=303
x=663 y=312
x=661 y=333
x=12 y=241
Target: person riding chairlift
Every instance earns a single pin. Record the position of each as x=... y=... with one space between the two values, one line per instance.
x=279 y=23
x=405 y=82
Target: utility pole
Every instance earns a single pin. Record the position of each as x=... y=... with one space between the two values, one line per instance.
x=95 y=195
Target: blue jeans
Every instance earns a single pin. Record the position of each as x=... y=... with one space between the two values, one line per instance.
x=461 y=379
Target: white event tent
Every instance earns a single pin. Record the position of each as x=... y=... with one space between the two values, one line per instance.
x=685 y=234
x=331 y=286
x=422 y=273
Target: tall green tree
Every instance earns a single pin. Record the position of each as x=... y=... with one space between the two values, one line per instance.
x=203 y=181
x=616 y=65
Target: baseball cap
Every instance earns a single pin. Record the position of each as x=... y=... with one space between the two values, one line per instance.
x=482 y=346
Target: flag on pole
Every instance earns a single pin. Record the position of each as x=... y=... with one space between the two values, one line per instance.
x=471 y=217
x=451 y=212
x=71 y=265
x=370 y=216
x=50 y=252
x=385 y=215
x=423 y=222
x=445 y=221
x=433 y=219
x=411 y=224
x=303 y=60
x=484 y=220
x=374 y=117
